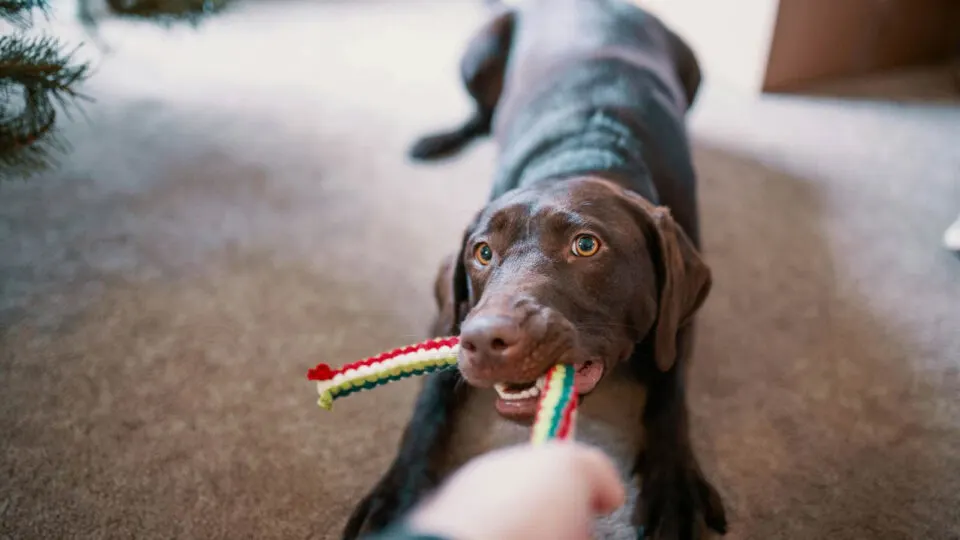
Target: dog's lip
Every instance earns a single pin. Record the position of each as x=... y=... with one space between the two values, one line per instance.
x=520 y=410
x=588 y=375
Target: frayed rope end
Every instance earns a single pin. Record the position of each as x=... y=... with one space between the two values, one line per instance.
x=325 y=401
x=322 y=372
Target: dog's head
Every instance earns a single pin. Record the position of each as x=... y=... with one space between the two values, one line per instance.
x=577 y=272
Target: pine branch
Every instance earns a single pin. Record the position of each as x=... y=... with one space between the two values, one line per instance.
x=28 y=142
x=36 y=78
x=20 y=12
x=38 y=62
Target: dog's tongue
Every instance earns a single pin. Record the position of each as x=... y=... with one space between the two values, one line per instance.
x=587 y=376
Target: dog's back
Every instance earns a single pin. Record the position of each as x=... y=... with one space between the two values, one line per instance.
x=550 y=35
x=598 y=85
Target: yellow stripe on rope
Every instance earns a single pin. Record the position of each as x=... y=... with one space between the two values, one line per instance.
x=375 y=376
x=557 y=397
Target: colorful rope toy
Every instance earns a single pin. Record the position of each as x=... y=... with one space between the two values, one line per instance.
x=556 y=411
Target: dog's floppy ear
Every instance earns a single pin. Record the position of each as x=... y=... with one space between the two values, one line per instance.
x=451 y=290
x=683 y=279
x=685 y=282
x=443 y=324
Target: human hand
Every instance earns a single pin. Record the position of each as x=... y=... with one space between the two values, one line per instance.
x=553 y=491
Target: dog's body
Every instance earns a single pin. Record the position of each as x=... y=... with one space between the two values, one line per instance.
x=586 y=100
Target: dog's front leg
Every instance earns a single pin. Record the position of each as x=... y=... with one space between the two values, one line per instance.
x=675 y=496
x=414 y=470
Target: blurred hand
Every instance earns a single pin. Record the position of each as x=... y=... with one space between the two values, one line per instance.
x=553 y=491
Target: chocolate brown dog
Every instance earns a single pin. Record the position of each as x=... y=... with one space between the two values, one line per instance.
x=587 y=253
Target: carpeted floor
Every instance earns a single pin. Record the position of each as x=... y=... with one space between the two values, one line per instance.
x=228 y=218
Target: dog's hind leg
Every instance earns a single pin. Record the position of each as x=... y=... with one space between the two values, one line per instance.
x=482 y=71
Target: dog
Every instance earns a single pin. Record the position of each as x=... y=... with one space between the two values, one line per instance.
x=587 y=253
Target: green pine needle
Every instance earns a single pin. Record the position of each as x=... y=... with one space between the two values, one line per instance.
x=37 y=78
x=20 y=12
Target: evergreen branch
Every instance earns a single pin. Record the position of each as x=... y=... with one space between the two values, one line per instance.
x=19 y=12
x=26 y=141
x=39 y=62
x=36 y=71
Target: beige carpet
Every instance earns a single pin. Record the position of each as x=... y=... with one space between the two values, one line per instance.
x=228 y=218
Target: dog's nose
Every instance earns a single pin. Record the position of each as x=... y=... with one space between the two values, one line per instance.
x=488 y=339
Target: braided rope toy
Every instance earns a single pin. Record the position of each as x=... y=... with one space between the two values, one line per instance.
x=556 y=410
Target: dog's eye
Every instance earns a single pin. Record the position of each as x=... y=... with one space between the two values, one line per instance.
x=483 y=253
x=586 y=245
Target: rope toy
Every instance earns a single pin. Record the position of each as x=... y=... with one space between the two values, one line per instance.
x=556 y=410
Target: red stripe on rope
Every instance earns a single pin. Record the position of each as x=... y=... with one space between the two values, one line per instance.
x=567 y=422
x=323 y=372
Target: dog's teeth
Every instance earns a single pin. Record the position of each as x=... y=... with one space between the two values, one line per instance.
x=530 y=392
x=541 y=383
x=504 y=392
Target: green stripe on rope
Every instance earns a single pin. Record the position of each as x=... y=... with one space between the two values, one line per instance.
x=562 y=403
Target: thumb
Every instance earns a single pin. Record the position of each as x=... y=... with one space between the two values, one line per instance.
x=607 y=492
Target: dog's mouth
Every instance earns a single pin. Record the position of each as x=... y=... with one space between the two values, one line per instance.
x=519 y=401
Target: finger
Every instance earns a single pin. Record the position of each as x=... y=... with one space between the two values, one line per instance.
x=606 y=487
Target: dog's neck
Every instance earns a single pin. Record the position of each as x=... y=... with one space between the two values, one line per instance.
x=569 y=143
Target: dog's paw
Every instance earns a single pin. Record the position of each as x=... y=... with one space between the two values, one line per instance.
x=371 y=516
x=397 y=491
x=676 y=503
x=382 y=506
